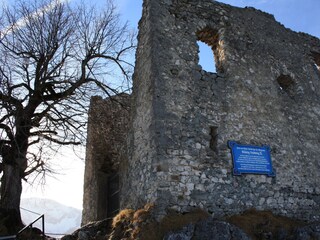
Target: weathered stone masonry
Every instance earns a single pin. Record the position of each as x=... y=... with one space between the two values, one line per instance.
x=107 y=131
x=266 y=91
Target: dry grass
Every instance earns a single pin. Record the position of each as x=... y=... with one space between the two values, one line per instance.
x=141 y=215
x=128 y=223
x=140 y=224
x=123 y=216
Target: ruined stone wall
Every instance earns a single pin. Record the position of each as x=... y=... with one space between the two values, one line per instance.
x=142 y=148
x=106 y=148
x=266 y=91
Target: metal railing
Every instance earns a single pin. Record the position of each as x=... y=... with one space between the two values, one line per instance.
x=12 y=237
x=29 y=227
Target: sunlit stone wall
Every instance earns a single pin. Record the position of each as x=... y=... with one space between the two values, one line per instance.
x=265 y=92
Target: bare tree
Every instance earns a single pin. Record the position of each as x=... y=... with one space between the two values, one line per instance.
x=53 y=57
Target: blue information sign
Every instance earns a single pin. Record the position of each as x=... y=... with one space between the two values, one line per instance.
x=251 y=159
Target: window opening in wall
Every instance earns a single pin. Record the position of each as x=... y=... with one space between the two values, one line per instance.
x=214 y=138
x=113 y=199
x=285 y=83
x=209 y=44
x=108 y=198
x=206 y=58
x=316 y=58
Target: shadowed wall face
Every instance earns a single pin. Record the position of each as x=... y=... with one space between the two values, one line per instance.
x=106 y=149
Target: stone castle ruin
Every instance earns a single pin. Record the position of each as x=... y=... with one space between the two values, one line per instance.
x=171 y=148
x=107 y=126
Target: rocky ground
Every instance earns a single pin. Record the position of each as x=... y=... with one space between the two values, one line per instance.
x=197 y=225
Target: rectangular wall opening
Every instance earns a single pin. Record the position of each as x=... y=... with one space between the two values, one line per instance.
x=214 y=138
x=316 y=58
x=211 y=50
x=113 y=197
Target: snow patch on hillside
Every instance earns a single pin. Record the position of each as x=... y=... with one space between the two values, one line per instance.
x=59 y=218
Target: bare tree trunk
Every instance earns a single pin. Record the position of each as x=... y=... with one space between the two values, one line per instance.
x=11 y=189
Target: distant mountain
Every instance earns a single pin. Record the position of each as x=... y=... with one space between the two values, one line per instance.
x=59 y=219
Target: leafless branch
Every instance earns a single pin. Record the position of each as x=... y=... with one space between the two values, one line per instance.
x=53 y=58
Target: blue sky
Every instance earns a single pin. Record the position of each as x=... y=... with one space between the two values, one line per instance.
x=299 y=15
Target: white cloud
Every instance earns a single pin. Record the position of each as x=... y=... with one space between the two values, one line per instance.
x=22 y=22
